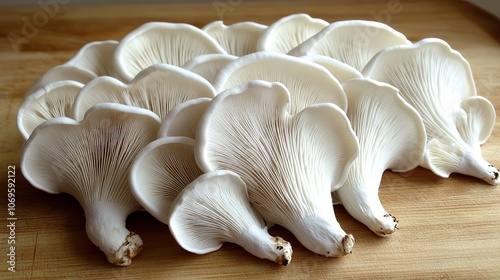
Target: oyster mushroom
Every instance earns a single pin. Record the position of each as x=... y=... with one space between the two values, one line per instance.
x=475 y=121
x=51 y=101
x=61 y=73
x=237 y=39
x=183 y=119
x=207 y=65
x=307 y=82
x=289 y=32
x=341 y=71
x=289 y=162
x=93 y=60
x=158 y=88
x=96 y=57
x=90 y=160
x=161 y=42
x=160 y=171
x=392 y=136
x=215 y=209
x=435 y=80
x=353 y=42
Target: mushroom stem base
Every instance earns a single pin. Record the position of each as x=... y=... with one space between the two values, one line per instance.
x=473 y=164
x=258 y=242
x=105 y=226
x=322 y=236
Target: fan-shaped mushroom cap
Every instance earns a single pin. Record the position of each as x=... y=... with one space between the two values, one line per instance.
x=158 y=88
x=288 y=32
x=161 y=42
x=215 y=209
x=61 y=73
x=96 y=57
x=289 y=162
x=435 y=80
x=93 y=60
x=307 y=82
x=353 y=42
x=160 y=171
x=475 y=121
x=391 y=136
x=237 y=39
x=208 y=65
x=341 y=71
x=51 y=101
x=91 y=160
x=183 y=119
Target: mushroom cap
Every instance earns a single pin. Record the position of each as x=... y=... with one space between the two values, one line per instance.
x=61 y=73
x=476 y=120
x=435 y=80
x=390 y=131
x=289 y=162
x=340 y=70
x=91 y=159
x=161 y=42
x=207 y=65
x=288 y=32
x=307 y=82
x=53 y=100
x=353 y=42
x=183 y=119
x=158 y=88
x=159 y=173
x=96 y=57
x=391 y=135
x=428 y=73
x=236 y=39
x=93 y=60
x=213 y=209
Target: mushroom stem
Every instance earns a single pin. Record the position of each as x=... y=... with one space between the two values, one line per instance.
x=473 y=164
x=260 y=243
x=363 y=203
x=105 y=226
x=322 y=236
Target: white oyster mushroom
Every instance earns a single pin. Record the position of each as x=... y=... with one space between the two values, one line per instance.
x=435 y=80
x=91 y=160
x=96 y=57
x=353 y=42
x=307 y=82
x=475 y=122
x=161 y=42
x=61 y=73
x=207 y=65
x=341 y=71
x=183 y=119
x=237 y=39
x=289 y=162
x=391 y=136
x=51 y=101
x=93 y=60
x=215 y=209
x=160 y=171
x=158 y=88
x=288 y=32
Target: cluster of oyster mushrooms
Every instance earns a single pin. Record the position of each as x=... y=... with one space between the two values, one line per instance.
x=223 y=131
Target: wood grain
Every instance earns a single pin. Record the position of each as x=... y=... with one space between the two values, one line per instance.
x=449 y=228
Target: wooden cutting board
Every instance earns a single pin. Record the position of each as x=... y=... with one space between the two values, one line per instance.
x=449 y=228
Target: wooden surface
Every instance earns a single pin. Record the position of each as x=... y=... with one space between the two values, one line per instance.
x=449 y=228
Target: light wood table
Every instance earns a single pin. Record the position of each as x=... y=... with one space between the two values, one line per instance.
x=449 y=228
